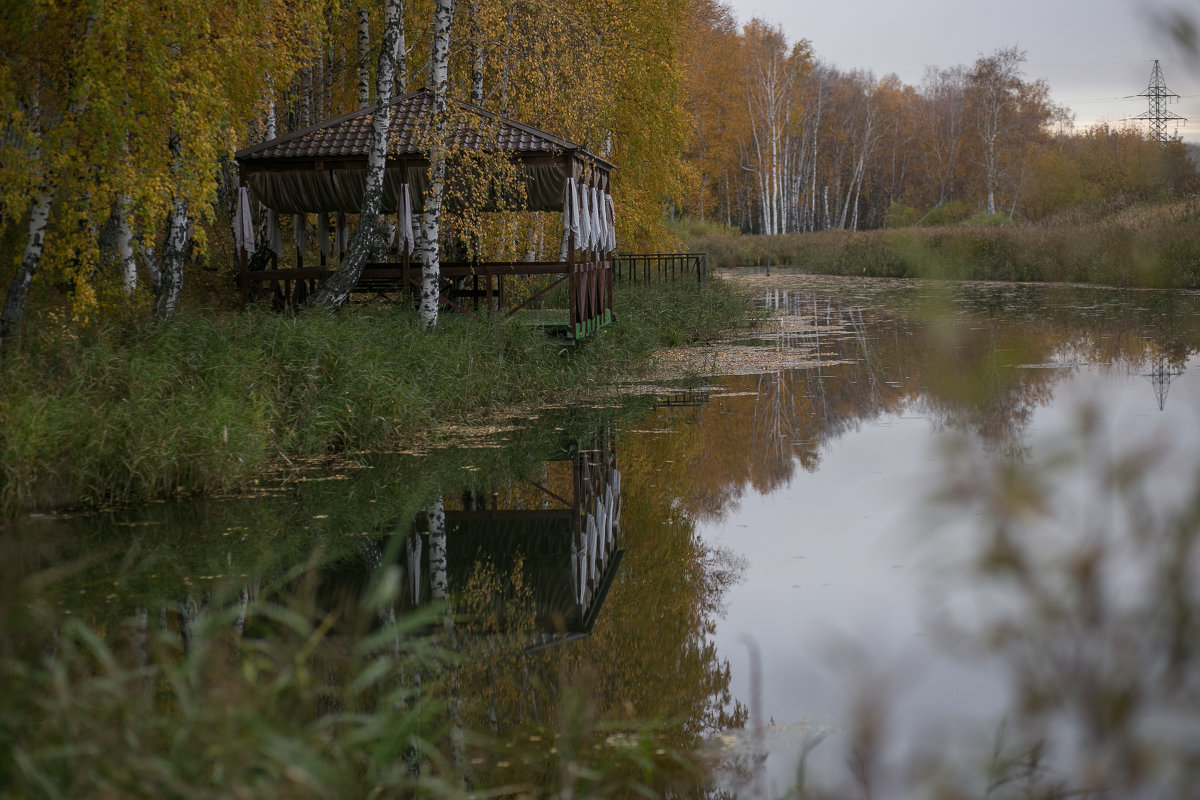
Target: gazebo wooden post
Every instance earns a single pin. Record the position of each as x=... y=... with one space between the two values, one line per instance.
x=589 y=283
x=572 y=285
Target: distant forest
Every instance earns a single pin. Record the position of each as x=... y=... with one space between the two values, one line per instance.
x=783 y=142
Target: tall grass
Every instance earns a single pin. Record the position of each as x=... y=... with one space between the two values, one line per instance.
x=1153 y=246
x=206 y=403
x=253 y=649
x=286 y=706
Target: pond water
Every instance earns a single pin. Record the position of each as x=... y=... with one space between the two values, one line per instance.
x=919 y=515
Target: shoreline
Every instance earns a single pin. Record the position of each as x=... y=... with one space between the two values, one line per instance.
x=213 y=401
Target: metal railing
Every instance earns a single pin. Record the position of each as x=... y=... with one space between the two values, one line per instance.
x=645 y=267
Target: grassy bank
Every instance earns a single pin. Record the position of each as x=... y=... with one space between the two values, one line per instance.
x=208 y=402
x=1138 y=245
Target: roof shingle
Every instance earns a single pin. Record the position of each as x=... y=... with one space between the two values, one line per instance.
x=473 y=128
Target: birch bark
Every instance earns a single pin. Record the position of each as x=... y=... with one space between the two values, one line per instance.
x=401 y=81
x=170 y=284
x=364 y=51
x=125 y=254
x=35 y=245
x=439 y=63
x=476 y=55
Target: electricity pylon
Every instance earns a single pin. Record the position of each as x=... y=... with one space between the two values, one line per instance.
x=1161 y=375
x=1157 y=115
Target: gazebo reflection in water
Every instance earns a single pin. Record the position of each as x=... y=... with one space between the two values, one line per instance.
x=558 y=533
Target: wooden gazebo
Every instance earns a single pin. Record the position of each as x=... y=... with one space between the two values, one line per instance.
x=321 y=170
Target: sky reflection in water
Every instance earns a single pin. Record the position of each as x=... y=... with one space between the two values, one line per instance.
x=852 y=561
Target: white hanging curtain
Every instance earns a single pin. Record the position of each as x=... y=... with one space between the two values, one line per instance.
x=612 y=513
x=584 y=239
x=243 y=222
x=323 y=233
x=602 y=207
x=298 y=231
x=406 y=219
x=576 y=583
x=570 y=211
x=602 y=523
x=583 y=581
x=593 y=535
x=612 y=221
x=598 y=235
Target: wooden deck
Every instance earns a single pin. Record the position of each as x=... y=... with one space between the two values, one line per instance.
x=466 y=287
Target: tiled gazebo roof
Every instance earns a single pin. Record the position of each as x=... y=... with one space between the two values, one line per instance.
x=473 y=128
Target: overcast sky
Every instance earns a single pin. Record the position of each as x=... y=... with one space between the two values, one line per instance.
x=1096 y=55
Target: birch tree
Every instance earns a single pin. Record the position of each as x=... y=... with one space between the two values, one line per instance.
x=944 y=93
x=36 y=125
x=118 y=115
x=772 y=75
x=1006 y=112
x=364 y=53
x=439 y=63
x=336 y=290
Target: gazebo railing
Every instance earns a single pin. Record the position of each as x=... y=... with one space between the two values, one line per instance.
x=589 y=280
x=645 y=267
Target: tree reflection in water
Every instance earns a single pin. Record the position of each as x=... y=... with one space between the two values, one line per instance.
x=1089 y=613
x=568 y=657
x=227 y=628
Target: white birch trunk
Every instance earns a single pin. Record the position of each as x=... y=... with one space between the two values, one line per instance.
x=125 y=255
x=170 y=280
x=264 y=219
x=35 y=237
x=507 y=65
x=401 y=68
x=439 y=581
x=431 y=272
x=476 y=56
x=306 y=97
x=243 y=610
x=189 y=617
x=318 y=82
x=271 y=120
x=364 y=52
x=35 y=244
x=336 y=290
x=170 y=285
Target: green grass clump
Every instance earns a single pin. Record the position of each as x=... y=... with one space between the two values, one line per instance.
x=275 y=700
x=204 y=404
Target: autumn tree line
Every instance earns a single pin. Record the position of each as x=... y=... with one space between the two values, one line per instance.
x=783 y=142
x=118 y=122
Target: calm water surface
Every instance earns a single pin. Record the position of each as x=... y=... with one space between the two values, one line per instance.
x=953 y=508
x=873 y=482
